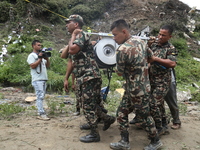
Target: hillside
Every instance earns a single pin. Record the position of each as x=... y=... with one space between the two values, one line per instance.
x=139 y=14
x=22 y=131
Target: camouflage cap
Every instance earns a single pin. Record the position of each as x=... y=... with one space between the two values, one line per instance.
x=75 y=17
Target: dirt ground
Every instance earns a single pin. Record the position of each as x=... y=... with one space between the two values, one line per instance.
x=62 y=132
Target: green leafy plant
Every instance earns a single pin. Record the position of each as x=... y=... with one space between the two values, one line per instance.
x=7 y=110
x=1 y=96
x=4 y=9
x=112 y=101
x=181 y=45
x=56 y=107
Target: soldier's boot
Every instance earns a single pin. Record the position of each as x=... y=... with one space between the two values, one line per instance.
x=107 y=119
x=99 y=120
x=107 y=122
x=123 y=144
x=92 y=137
x=85 y=126
x=154 y=144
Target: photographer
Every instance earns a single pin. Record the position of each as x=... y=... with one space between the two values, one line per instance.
x=38 y=64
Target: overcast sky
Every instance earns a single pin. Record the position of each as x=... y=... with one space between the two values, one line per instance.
x=192 y=3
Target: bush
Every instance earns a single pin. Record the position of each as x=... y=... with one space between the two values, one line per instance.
x=196 y=96
x=187 y=71
x=83 y=11
x=7 y=110
x=181 y=45
x=4 y=9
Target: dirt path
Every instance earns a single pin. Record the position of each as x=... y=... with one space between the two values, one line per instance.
x=62 y=132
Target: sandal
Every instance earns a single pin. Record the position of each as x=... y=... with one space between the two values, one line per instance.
x=176 y=126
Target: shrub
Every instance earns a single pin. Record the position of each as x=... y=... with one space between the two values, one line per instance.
x=187 y=70
x=7 y=110
x=181 y=45
x=4 y=9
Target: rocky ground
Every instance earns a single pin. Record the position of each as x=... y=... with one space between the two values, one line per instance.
x=25 y=132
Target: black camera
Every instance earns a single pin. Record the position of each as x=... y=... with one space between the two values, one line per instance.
x=45 y=52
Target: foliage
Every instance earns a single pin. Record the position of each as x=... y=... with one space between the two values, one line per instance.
x=196 y=34
x=112 y=101
x=55 y=106
x=182 y=108
x=82 y=10
x=7 y=110
x=58 y=65
x=1 y=96
x=115 y=82
x=181 y=45
x=196 y=96
x=55 y=81
x=4 y=9
x=88 y=9
x=187 y=70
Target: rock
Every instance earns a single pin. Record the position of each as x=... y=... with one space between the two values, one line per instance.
x=195 y=85
x=184 y=95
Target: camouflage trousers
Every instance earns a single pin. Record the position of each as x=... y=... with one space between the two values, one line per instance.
x=77 y=93
x=91 y=101
x=157 y=107
x=141 y=107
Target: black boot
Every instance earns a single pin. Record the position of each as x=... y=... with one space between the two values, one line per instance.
x=123 y=144
x=85 y=126
x=107 y=122
x=154 y=144
x=92 y=137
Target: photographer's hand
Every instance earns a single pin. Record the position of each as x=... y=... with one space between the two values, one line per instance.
x=35 y=64
x=48 y=62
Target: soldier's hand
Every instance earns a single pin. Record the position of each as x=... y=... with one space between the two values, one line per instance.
x=76 y=31
x=151 y=59
x=152 y=39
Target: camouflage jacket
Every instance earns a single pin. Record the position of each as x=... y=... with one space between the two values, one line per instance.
x=132 y=64
x=157 y=72
x=85 y=66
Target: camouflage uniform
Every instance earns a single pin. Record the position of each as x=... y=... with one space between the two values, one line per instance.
x=132 y=63
x=160 y=79
x=77 y=90
x=88 y=79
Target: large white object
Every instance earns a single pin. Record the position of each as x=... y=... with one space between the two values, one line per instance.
x=105 y=51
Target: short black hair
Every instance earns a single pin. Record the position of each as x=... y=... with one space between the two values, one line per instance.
x=35 y=41
x=169 y=28
x=120 y=24
x=80 y=23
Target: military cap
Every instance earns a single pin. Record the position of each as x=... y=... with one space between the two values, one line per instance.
x=75 y=17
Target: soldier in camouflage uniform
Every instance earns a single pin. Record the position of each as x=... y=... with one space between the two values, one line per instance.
x=64 y=54
x=133 y=66
x=160 y=74
x=87 y=76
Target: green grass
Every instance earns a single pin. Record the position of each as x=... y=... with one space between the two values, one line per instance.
x=7 y=110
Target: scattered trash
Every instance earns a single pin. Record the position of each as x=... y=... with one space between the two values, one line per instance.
x=68 y=102
x=30 y=99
